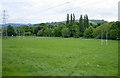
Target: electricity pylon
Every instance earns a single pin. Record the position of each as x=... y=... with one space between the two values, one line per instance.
x=4 y=19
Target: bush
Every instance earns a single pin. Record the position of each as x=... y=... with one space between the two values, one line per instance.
x=89 y=32
x=65 y=32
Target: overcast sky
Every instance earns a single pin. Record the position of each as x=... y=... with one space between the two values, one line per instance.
x=38 y=11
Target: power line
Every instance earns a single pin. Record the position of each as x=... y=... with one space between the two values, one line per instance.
x=62 y=4
x=98 y=2
x=74 y=8
x=55 y=6
x=47 y=9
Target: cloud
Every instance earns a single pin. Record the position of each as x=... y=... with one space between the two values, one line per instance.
x=34 y=11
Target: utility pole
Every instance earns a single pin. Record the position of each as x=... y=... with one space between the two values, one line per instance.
x=4 y=22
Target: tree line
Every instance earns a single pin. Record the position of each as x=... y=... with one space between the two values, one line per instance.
x=71 y=28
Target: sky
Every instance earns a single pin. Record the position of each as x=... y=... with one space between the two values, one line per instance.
x=41 y=11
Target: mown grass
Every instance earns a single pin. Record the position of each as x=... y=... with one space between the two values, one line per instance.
x=52 y=56
x=0 y=56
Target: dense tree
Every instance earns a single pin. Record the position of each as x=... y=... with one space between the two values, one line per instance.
x=10 y=31
x=27 y=33
x=4 y=32
x=42 y=24
x=18 y=32
x=31 y=29
x=72 y=28
x=48 y=32
x=52 y=32
x=71 y=20
x=0 y=32
x=67 y=22
x=89 y=32
x=26 y=28
x=65 y=32
x=113 y=34
x=36 y=30
x=81 y=25
x=102 y=31
x=118 y=26
x=40 y=32
x=76 y=32
x=100 y=23
x=86 y=21
x=57 y=31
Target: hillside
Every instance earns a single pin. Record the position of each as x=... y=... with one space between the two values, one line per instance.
x=48 y=23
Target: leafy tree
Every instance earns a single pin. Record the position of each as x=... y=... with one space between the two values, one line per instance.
x=27 y=33
x=67 y=22
x=71 y=20
x=21 y=30
x=10 y=31
x=48 y=32
x=52 y=32
x=102 y=31
x=18 y=32
x=86 y=21
x=31 y=29
x=4 y=32
x=40 y=32
x=36 y=30
x=76 y=33
x=89 y=32
x=57 y=30
x=98 y=32
x=0 y=32
x=42 y=24
x=118 y=27
x=113 y=34
x=100 y=23
x=65 y=32
x=81 y=26
x=26 y=28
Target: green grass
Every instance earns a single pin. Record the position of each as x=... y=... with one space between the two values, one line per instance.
x=0 y=57
x=53 y=56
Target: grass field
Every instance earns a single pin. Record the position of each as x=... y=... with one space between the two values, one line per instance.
x=53 y=56
x=0 y=57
